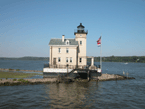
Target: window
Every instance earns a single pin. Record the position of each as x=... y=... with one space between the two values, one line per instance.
x=59 y=50
x=59 y=59
x=71 y=59
x=81 y=35
x=66 y=59
x=67 y=50
x=80 y=59
x=67 y=42
x=80 y=42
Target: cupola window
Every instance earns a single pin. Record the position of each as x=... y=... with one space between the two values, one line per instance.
x=67 y=42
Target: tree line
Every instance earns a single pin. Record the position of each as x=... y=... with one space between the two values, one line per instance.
x=120 y=59
x=96 y=59
x=26 y=58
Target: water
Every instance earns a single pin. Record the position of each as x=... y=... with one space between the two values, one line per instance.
x=22 y=64
x=108 y=94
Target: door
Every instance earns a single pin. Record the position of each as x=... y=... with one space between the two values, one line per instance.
x=54 y=61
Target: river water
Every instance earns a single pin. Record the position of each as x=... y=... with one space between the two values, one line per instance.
x=126 y=94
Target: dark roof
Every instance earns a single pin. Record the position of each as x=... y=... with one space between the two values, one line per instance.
x=80 y=26
x=59 y=42
x=81 y=30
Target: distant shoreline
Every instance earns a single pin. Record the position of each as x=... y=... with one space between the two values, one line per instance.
x=140 y=59
x=26 y=58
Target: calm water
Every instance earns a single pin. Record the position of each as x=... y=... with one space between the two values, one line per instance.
x=128 y=94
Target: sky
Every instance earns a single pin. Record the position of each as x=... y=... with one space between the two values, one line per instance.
x=26 y=26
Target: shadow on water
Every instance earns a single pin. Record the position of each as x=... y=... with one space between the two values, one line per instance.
x=72 y=95
x=112 y=94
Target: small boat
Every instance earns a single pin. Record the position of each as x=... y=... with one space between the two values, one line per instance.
x=126 y=63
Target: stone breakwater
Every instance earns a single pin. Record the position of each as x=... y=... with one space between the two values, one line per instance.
x=103 y=77
x=3 y=69
x=107 y=77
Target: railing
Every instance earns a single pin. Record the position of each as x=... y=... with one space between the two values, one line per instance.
x=70 y=66
x=81 y=31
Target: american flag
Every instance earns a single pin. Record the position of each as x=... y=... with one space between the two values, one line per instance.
x=99 y=41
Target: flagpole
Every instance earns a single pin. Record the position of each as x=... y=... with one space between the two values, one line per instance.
x=99 y=42
x=101 y=54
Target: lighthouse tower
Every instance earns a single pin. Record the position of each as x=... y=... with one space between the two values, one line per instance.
x=81 y=36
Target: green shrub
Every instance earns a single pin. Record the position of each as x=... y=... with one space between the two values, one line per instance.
x=17 y=69
x=6 y=78
x=22 y=80
x=26 y=81
x=14 y=79
x=10 y=69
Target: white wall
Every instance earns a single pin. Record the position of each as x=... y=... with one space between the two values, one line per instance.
x=63 y=55
x=82 y=48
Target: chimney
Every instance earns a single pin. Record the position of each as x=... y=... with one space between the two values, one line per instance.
x=62 y=38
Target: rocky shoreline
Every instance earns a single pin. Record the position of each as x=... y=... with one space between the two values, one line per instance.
x=107 y=77
x=103 y=77
x=11 y=82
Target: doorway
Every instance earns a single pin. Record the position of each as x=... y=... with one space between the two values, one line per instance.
x=54 y=61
